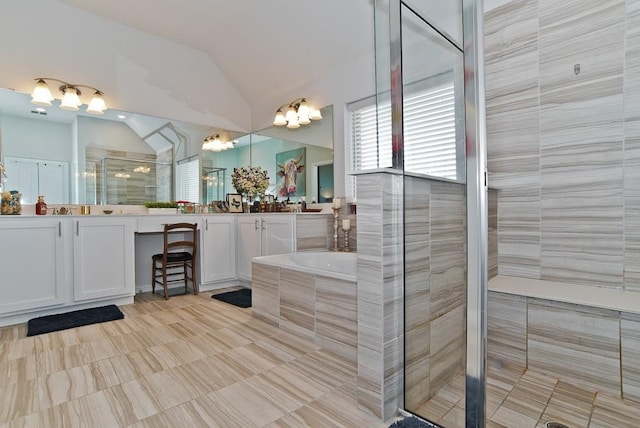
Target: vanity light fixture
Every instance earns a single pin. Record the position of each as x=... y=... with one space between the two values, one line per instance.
x=41 y=96
x=142 y=169
x=298 y=112
x=213 y=143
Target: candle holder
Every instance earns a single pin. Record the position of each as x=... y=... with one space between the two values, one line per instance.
x=346 y=248
x=336 y=214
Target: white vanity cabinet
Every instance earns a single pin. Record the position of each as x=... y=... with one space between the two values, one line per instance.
x=218 y=248
x=103 y=255
x=263 y=235
x=33 y=261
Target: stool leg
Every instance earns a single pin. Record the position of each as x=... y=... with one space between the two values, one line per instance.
x=186 y=277
x=164 y=281
x=153 y=276
x=194 y=278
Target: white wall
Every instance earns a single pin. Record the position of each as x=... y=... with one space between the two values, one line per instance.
x=136 y=71
x=35 y=138
x=146 y=74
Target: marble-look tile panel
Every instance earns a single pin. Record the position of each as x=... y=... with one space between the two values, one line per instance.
x=447 y=211
x=370 y=378
x=447 y=282
x=392 y=211
x=416 y=210
x=393 y=397
x=511 y=51
x=297 y=302
x=610 y=411
x=582 y=207
x=519 y=225
x=632 y=65
x=630 y=354
x=509 y=29
x=314 y=232
x=265 y=294
x=575 y=343
x=417 y=385
x=447 y=341
x=631 y=212
x=507 y=329
x=417 y=297
x=370 y=272
x=418 y=343
x=493 y=233
x=336 y=317
x=392 y=289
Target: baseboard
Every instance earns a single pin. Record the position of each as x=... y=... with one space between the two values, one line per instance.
x=146 y=288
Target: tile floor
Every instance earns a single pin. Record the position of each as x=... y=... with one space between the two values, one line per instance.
x=525 y=399
x=194 y=361
x=190 y=361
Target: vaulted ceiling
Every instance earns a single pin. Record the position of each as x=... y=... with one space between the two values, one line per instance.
x=263 y=47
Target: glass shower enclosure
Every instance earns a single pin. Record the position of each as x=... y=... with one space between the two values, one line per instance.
x=427 y=96
x=132 y=182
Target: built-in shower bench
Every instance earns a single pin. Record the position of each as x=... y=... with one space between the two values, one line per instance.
x=585 y=335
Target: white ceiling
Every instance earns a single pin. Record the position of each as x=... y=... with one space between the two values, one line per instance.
x=263 y=47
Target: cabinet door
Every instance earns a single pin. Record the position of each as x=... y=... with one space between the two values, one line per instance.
x=33 y=258
x=104 y=260
x=278 y=235
x=218 y=249
x=248 y=244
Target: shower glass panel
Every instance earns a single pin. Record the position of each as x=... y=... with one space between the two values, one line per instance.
x=435 y=258
x=213 y=184
x=132 y=182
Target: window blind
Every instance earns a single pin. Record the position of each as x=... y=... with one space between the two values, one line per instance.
x=188 y=180
x=429 y=134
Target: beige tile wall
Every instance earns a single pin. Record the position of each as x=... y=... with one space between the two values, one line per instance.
x=591 y=347
x=434 y=282
x=564 y=147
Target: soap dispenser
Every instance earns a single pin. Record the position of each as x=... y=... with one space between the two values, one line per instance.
x=41 y=206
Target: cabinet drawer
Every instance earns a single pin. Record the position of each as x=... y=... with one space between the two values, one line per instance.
x=151 y=224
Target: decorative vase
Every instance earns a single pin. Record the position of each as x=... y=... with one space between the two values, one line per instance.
x=249 y=198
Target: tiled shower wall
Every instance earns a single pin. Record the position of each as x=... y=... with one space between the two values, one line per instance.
x=563 y=123
x=434 y=258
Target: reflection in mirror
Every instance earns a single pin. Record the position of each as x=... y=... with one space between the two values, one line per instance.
x=299 y=162
x=73 y=157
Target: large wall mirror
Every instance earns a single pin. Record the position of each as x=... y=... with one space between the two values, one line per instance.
x=299 y=161
x=129 y=158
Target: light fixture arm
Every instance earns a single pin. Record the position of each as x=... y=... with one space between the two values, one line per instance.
x=66 y=85
x=42 y=95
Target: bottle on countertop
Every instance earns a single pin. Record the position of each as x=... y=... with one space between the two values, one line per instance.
x=303 y=202
x=41 y=206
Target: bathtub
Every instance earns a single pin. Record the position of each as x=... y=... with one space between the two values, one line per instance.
x=312 y=295
x=324 y=263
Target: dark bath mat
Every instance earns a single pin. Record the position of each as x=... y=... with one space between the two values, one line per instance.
x=412 y=422
x=241 y=298
x=50 y=323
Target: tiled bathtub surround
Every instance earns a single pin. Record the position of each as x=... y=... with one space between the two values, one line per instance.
x=563 y=146
x=315 y=231
x=312 y=306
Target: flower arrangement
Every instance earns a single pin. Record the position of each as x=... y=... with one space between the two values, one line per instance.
x=251 y=180
x=10 y=203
